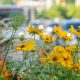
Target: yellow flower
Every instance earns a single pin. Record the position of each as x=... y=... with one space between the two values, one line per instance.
x=44 y=60
x=34 y=30
x=76 y=67
x=62 y=34
x=67 y=37
x=48 y=39
x=73 y=30
x=27 y=46
x=67 y=59
x=70 y=48
x=53 y=58
x=59 y=49
x=57 y=30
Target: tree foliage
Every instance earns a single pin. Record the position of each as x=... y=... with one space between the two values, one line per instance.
x=66 y=12
x=6 y=2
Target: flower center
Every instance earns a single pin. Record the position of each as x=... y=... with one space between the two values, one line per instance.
x=57 y=31
x=47 y=38
x=22 y=46
x=55 y=59
x=65 y=58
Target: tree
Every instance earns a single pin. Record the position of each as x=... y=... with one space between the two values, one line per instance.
x=6 y=2
x=62 y=12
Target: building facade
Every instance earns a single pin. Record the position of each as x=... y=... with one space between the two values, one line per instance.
x=31 y=6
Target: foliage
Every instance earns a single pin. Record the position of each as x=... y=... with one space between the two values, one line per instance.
x=77 y=11
x=40 y=59
x=52 y=12
x=66 y=12
x=17 y=20
x=6 y=2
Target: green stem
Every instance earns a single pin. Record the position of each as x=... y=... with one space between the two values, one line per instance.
x=17 y=70
x=8 y=45
x=19 y=67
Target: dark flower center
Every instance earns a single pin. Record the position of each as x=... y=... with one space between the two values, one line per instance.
x=65 y=58
x=55 y=59
x=47 y=38
x=57 y=31
x=22 y=46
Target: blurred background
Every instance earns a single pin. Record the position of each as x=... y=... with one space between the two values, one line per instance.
x=36 y=11
x=45 y=9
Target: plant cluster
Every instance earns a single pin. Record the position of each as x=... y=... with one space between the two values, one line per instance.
x=62 y=12
x=42 y=59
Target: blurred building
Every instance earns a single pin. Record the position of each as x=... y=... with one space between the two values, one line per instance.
x=77 y=2
x=60 y=2
x=6 y=10
x=31 y=6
